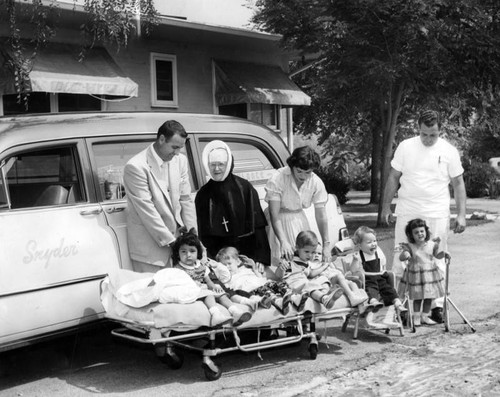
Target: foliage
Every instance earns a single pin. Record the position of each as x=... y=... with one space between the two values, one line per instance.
x=378 y=62
x=108 y=21
x=19 y=62
x=113 y=21
x=479 y=178
x=360 y=180
x=335 y=183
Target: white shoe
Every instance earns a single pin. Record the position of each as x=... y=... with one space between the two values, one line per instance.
x=357 y=300
x=426 y=320
x=398 y=305
x=218 y=317
x=416 y=320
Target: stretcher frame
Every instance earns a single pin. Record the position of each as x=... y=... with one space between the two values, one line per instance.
x=298 y=327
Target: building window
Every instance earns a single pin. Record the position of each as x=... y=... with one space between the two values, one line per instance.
x=44 y=102
x=264 y=113
x=38 y=102
x=78 y=103
x=163 y=80
x=238 y=110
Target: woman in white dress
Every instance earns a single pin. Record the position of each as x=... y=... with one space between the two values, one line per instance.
x=292 y=189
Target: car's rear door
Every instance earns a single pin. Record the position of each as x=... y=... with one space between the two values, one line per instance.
x=108 y=156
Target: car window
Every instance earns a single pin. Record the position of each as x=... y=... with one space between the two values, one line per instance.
x=250 y=161
x=110 y=159
x=42 y=177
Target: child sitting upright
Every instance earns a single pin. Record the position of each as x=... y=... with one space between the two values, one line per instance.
x=332 y=275
x=298 y=273
x=371 y=261
x=187 y=253
x=247 y=284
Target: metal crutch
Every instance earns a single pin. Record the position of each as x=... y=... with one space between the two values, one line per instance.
x=409 y=313
x=448 y=301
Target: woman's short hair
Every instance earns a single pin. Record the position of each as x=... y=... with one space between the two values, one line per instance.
x=413 y=224
x=429 y=118
x=305 y=238
x=304 y=158
x=190 y=239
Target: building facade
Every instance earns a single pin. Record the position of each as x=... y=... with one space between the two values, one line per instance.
x=185 y=65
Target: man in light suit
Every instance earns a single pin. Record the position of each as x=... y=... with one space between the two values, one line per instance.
x=159 y=198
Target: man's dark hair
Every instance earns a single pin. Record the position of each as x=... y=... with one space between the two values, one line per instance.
x=171 y=127
x=429 y=118
x=304 y=158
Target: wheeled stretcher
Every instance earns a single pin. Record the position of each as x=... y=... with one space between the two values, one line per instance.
x=170 y=327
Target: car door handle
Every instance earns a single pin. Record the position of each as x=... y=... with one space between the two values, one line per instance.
x=111 y=210
x=91 y=212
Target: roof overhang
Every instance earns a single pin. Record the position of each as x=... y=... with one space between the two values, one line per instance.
x=238 y=82
x=57 y=68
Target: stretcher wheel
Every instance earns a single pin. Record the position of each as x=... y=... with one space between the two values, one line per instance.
x=313 y=351
x=174 y=360
x=212 y=372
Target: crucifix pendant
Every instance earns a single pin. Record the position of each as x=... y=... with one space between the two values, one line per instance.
x=224 y=222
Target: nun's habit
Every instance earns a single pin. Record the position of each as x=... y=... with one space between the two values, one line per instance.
x=229 y=211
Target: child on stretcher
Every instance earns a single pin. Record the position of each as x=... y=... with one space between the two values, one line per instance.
x=301 y=278
x=246 y=284
x=332 y=275
x=187 y=252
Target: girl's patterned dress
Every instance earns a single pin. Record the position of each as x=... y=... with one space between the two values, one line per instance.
x=198 y=273
x=422 y=276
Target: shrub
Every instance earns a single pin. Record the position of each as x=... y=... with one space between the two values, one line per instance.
x=479 y=177
x=335 y=184
x=361 y=180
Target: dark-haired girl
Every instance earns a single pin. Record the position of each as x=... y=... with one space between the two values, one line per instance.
x=187 y=253
x=422 y=276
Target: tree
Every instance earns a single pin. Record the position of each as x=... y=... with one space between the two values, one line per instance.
x=383 y=60
x=107 y=21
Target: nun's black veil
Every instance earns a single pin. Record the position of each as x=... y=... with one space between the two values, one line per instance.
x=229 y=214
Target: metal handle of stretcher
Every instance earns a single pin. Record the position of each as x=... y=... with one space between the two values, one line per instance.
x=269 y=343
x=120 y=332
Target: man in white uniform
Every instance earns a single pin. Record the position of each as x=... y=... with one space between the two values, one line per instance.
x=424 y=166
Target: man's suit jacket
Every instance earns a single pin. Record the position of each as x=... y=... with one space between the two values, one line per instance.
x=153 y=213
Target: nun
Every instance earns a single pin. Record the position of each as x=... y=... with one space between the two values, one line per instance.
x=228 y=208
